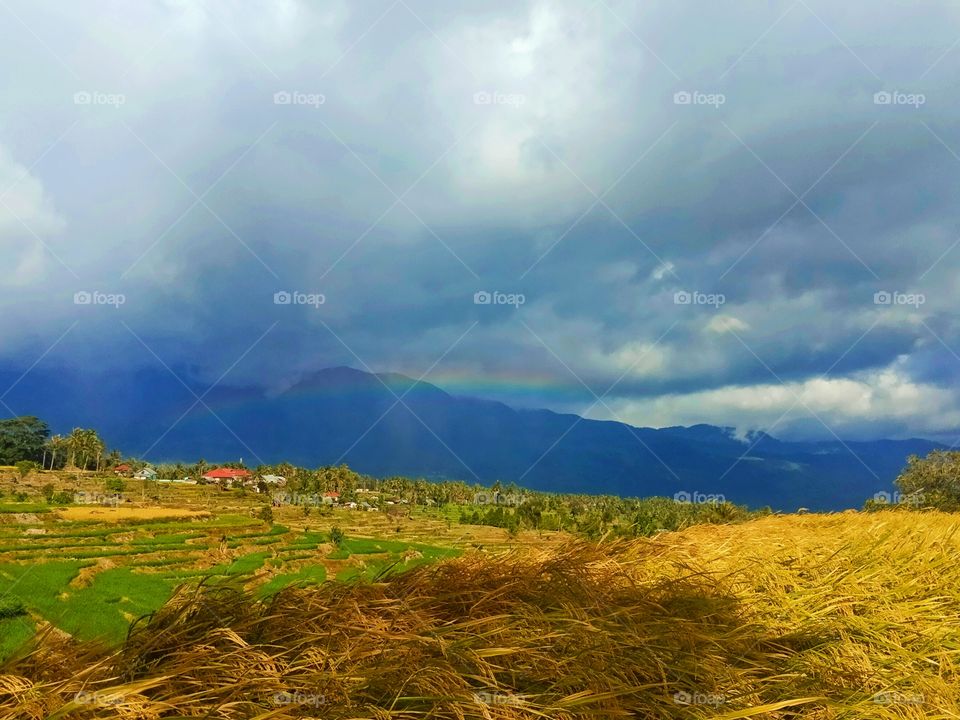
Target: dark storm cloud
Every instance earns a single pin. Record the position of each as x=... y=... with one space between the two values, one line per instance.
x=399 y=158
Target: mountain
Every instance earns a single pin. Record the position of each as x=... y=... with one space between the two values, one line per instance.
x=345 y=415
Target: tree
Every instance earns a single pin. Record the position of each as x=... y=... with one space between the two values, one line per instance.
x=337 y=536
x=56 y=449
x=933 y=481
x=85 y=448
x=22 y=438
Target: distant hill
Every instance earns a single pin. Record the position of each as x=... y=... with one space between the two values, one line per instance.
x=345 y=415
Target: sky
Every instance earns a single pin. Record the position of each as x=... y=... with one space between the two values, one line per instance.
x=663 y=213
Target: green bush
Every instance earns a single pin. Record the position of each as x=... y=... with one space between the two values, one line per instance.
x=11 y=607
x=61 y=498
x=933 y=481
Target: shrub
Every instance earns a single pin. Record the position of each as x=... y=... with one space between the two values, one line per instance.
x=337 y=536
x=265 y=513
x=11 y=607
x=25 y=467
x=61 y=498
x=933 y=481
x=114 y=484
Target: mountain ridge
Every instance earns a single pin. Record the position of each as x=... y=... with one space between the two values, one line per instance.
x=341 y=414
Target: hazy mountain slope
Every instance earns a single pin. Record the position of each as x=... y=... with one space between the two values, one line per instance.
x=344 y=415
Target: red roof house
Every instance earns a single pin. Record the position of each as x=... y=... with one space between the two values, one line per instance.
x=122 y=468
x=226 y=474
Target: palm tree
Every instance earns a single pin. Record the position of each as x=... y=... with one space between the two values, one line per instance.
x=84 y=446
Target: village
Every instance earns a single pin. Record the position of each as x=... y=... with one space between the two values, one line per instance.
x=232 y=478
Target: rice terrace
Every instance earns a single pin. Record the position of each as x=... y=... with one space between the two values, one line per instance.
x=168 y=599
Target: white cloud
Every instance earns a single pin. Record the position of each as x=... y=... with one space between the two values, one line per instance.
x=726 y=323
x=845 y=406
x=26 y=216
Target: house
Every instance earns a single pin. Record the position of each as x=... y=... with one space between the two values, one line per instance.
x=331 y=498
x=147 y=473
x=277 y=480
x=122 y=469
x=227 y=477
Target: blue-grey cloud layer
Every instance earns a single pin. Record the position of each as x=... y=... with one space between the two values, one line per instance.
x=427 y=153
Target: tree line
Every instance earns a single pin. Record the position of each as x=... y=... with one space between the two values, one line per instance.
x=28 y=439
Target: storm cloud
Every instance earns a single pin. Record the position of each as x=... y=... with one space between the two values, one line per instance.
x=665 y=213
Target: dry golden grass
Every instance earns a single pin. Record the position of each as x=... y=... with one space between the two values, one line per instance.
x=124 y=514
x=829 y=617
